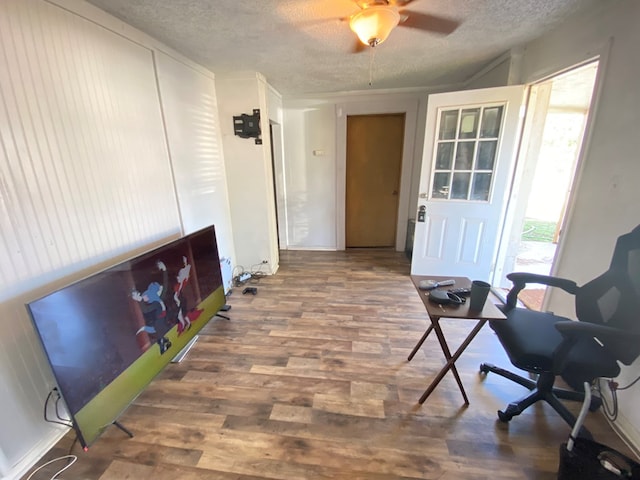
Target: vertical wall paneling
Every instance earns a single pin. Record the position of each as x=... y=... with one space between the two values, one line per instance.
x=84 y=177
x=249 y=172
x=311 y=179
x=190 y=112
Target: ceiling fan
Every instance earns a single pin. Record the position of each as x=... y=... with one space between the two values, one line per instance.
x=377 y=18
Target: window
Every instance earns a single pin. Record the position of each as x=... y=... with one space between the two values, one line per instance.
x=465 y=153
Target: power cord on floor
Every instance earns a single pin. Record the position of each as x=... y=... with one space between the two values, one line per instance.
x=241 y=276
x=71 y=460
x=60 y=420
x=627 y=386
x=611 y=411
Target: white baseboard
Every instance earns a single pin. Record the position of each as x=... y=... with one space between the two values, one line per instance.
x=628 y=433
x=18 y=470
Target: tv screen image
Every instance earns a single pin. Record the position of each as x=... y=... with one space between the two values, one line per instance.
x=108 y=335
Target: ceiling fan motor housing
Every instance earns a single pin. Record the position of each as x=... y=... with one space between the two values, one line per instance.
x=374 y=23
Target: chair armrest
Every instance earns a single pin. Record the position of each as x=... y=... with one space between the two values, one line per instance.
x=520 y=280
x=523 y=278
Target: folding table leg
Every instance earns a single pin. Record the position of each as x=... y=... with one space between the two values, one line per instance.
x=419 y=344
x=451 y=359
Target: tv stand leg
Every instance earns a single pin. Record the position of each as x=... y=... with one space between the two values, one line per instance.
x=123 y=428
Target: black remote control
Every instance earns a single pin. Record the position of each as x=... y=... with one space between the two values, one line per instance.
x=460 y=291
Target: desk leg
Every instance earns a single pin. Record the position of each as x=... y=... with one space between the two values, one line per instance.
x=449 y=365
x=419 y=344
x=451 y=360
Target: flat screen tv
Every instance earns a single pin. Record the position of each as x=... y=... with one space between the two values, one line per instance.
x=108 y=335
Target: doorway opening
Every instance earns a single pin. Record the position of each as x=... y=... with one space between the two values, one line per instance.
x=557 y=114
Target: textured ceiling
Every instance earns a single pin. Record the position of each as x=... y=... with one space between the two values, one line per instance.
x=303 y=46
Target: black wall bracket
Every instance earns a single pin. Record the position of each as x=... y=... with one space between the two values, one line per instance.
x=248 y=126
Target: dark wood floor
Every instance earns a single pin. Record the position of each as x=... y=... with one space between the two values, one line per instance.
x=309 y=380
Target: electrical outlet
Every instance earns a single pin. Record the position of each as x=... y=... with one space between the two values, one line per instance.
x=265 y=261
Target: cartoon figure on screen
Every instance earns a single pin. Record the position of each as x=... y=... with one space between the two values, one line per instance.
x=153 y=308
x=178 y=296
x=185 y=316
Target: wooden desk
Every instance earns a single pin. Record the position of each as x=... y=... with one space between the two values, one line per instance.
x=437 y=311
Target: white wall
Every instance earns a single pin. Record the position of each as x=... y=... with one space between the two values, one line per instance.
x=85 y=178
x=607 y=198
x=315 y=163
x=190 y=111
x=310 y=178
x=249 y=172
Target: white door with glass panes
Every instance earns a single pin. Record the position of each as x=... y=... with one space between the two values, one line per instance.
x=468 y=160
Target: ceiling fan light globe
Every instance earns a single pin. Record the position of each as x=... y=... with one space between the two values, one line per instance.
x=374 y=24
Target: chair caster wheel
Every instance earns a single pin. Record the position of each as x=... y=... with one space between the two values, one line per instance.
x=595 y=404
x=484 y=368
x=504 y=417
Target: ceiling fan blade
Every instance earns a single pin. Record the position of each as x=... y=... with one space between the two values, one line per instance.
x=362 y=4
x=430 y=23
x=400 y=3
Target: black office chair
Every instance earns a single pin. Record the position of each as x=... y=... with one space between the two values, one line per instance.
x=607 y=332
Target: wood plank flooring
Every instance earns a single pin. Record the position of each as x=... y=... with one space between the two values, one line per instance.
x=309 y=380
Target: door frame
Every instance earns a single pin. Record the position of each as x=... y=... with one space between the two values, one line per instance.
x=522 y=166
x=410 y=108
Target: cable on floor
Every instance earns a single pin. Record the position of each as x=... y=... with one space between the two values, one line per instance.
x=72 y=459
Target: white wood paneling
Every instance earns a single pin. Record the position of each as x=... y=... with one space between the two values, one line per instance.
x=310 y=179
x=190 y=111
x=84 y=177
x=249 y=172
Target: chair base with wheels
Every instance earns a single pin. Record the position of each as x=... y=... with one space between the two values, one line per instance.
x=606 y=333
x=542 y=389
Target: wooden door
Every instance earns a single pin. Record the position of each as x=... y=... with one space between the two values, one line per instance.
x=374 y=159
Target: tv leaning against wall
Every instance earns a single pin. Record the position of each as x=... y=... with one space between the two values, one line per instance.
x=107 y=336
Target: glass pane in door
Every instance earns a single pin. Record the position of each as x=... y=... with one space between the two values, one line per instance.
x=465 y=153
x=440 y=185
x=469 y=123
x=481 y=186
x=448 y=125
x=486 y=155
x=460 y=185
x=444 y=156
x=491 y=119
